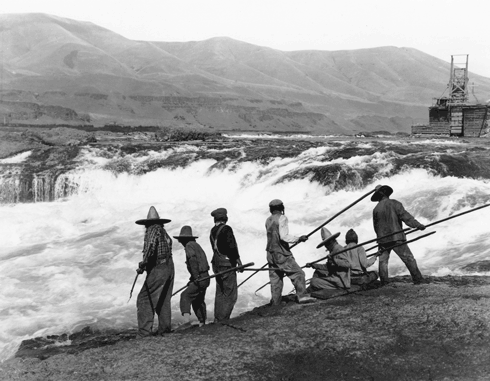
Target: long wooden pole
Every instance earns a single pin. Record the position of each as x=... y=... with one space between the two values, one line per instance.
x=437 y=222
x=318 y=228
x=451 y=217
x=403 y=243
x=407 y=232
x=217 y=274
x=343 y=251
x=353 y=247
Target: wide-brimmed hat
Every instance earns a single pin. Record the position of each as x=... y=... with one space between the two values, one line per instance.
x=185 y=232
x=152 y=218
x=327 y=237
x=387 y=190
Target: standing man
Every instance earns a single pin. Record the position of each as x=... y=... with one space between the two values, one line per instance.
x=335 y=274
x=225 y=256
x=388 y=216
x=359 y=261
x=198 y=267
x=156 y=292
x=279 y=255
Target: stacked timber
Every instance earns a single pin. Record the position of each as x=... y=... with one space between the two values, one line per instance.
x=475 y=119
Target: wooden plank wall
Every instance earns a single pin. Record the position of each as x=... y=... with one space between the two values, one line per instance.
x=473 y=119
x=439 y=123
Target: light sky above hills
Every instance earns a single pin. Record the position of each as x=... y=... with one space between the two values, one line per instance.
x=437 y=28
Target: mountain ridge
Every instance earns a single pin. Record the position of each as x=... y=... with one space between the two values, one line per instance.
x=333 y=91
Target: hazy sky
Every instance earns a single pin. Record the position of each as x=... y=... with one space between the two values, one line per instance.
x=439 y=28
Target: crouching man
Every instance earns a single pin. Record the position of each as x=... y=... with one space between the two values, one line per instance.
x=335 y=273
x=359 y=261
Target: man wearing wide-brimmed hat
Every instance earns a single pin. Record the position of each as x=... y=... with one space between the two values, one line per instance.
x=388 y=216
x=156 y=292
x=279 y=255
x=335 y=273
x=225 y=256
x=197 y=265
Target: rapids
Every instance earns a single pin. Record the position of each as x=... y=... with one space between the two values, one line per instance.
x=70 y=262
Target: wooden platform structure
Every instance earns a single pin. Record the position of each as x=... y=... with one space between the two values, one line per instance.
x=454 y=115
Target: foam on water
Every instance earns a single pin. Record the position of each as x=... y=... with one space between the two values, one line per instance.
x=70 y=263
x=16 y=159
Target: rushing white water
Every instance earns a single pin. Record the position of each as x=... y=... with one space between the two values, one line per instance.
x=70 y=263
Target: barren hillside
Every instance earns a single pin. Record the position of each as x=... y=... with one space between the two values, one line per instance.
x=57 y=70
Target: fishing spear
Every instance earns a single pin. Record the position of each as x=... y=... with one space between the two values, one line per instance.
x=451 y=217
x=237 y=268
x=407 y=230
x=318 y=228
x=132 y=288
x=343 y=251
x=399 y=244
x=353 y=247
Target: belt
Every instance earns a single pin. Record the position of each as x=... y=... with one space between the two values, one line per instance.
x=161 y=261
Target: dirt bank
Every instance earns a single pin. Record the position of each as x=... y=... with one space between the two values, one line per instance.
x=438 y=331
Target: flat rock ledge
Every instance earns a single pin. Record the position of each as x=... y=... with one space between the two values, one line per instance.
x=436 y=331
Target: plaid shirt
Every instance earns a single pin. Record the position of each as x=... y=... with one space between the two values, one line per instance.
x=158 y=245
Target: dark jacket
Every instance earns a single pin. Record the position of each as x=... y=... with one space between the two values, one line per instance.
x=388 y=216
x=196 y=261
x=226 y=254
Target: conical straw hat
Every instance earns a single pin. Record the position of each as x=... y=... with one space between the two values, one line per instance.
x=152 y=218
x=327 y=237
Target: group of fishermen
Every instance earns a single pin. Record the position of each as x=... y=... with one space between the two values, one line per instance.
x=344 y=266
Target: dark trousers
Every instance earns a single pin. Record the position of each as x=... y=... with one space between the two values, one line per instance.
x=405 y=255
x=194 y=296
x=154 y=297
x=226 y=295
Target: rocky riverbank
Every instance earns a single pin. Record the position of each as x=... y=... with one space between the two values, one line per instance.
x=439 y=331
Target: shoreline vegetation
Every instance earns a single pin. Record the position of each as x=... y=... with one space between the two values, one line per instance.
x=439 y=331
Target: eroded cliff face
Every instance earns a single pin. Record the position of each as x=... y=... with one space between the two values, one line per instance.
x=401 y=331
x=88 y=74
x=210 y=113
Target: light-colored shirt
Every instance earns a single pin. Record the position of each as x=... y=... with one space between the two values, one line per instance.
x=284 y=230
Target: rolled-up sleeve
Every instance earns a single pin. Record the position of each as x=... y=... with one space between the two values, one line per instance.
x=284 y=230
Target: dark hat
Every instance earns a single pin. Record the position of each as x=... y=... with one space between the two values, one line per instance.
x=152 y=218
x=327 y=237
x=220 y=212
x=185 y=232
x=387 y=190
x=351 y=236
x=275 y=202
